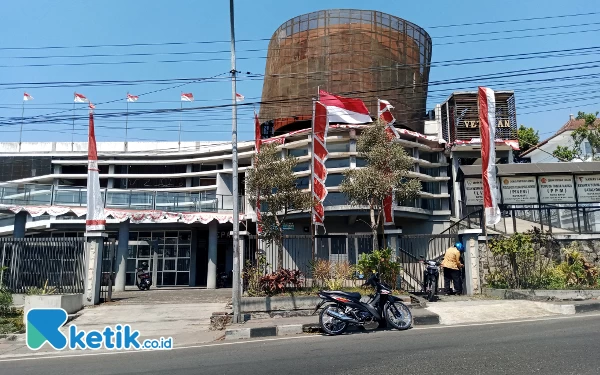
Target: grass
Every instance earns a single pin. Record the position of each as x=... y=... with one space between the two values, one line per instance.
x=313 y=291
x=11 y=321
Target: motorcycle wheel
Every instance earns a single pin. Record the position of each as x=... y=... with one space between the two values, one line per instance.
x=329 y=324
x=140 y=287
x=398 y=315
x=430 y=290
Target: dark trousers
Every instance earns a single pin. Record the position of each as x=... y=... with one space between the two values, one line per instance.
x=453 y=276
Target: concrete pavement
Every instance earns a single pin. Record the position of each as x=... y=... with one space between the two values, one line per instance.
x=554 y=345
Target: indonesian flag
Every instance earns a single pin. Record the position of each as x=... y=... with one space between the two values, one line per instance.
x=383 y=108
x=80 y=98
x=257 y=141
x=344 y=110
x=94 y=220
x=27 y=97
x=132 y=98
x=239 y=97
x=319 y=156
x=487 y=127
x=91 y=106
x=187 y=97
x=384 y=114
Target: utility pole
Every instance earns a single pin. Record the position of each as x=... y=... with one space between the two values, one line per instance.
x=236 y=290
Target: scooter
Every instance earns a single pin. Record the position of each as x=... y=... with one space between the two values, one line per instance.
x=143 y=279
x=344 y=309
x=430 y=279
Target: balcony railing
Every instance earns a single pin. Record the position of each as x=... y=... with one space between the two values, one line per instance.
x=47 y=195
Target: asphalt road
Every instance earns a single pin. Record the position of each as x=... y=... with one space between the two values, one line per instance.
x=558 y=346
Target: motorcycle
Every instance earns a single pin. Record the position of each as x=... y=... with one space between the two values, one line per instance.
x=430 y=279
x=222 y=280
x=344 y=309
x=143 y=279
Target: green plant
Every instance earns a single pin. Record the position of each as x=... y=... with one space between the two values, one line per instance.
x=321 y=271
x=252 y=275
x=575 y=270
x=279 y=281
x=11 y=319
x=45 y=290
x=380 y=261
x=340 y=271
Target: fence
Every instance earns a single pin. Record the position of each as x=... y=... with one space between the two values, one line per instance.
x=298 y=254
x=36 y=262
x=108 y=270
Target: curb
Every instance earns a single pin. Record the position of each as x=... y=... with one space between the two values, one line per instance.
x=421 y=319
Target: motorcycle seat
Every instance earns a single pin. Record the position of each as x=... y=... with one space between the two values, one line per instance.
x=355 y=296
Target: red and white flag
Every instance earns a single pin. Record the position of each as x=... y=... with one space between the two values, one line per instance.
x=27 y=97
x=95 y=219
x=487 y=128
x=132 y=98
x=239 y=97
x=257 y=142
x=80 y=98
x=344 y=110
x=91 y=106
x=187 y=97
x=384 y=114
x=319 y=157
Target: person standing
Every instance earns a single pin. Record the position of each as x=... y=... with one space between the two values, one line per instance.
x=452 y=267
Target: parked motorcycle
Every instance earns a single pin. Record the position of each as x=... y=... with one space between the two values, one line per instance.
x=430 y=279
x=222 y=280
x=143 y=279
x=343 y=309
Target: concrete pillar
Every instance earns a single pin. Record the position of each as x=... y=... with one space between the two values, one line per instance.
x=444 y=185
x=121 y=259
x=225 y=187
x=469 y=239
x=456 y=187
x=94 y=245
x=20 y=225
x=188 y=180
x=211 y=273
x=111 y=181
x=193 y=257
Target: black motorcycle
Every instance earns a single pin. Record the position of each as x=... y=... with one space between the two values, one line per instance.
x=143 y=279
x=344 y=309
x=430 y=278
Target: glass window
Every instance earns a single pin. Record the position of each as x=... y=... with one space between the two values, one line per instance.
x=334 y=180
x=302 y=167
x=183 y=278
x=338 y=147
x=338 y=163
x=335 y=199
x=361 y=162
x=168 y=278
x=169 y=265
x=297 y=152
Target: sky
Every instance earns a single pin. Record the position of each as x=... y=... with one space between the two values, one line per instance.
x=186 y=44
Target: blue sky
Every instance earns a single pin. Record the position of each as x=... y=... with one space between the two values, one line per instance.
x=545 y=105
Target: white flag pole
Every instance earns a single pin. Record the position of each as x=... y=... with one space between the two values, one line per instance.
x=22 y=119
x=180 y=115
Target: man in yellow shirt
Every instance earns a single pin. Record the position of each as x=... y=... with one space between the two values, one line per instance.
x=452 y=268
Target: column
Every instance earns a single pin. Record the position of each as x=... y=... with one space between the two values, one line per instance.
x=211 y=274
x=94 y=245
x=111 y=181
x=188 y=180
x=19 y=227
x=122 y=253
x=444 y=184
x=469 y=239
x=456 y=187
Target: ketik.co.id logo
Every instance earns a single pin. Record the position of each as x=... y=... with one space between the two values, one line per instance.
x=43 y=325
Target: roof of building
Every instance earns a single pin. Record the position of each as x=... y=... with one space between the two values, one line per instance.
x=533 y=169
x=572 y=124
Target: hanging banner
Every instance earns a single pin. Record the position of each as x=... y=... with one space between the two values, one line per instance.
x=588 y=188
x=519 y=190
x=474 y=191
x=556 y=189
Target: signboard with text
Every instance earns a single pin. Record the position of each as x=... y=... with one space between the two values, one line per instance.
x=474 y=192
x=556 y=189
x=588 y=188
x=519 y=190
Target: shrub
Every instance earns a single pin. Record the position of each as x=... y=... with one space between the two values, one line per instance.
x=331 y=274
x=280 y=281
x=321 y=271
x=40 y=291
x=252 y=275
x=380 y=261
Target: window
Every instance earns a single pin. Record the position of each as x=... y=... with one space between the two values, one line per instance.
x=302 y=167
x=338 y=163
x=298 y=152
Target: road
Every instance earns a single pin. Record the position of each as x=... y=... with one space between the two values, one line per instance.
x=565 y=345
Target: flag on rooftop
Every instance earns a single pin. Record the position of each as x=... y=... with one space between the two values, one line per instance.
x=239 y=97
x=80 y=98
x=27 y=97
x=132 y=98
x=187 y=97
x=344 y=110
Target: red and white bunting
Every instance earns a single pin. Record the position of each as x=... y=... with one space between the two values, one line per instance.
x=487 y=121
x=384 y=113
x=80 y=98
x=132 y=98
x=239 y=97
x=319 y=157
x=187 y=97
x=27 y=97
x=95 y=219
x=344 y=110
x=257 y=142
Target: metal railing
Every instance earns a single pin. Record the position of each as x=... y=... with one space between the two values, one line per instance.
x=41 y=195
x=57 y=263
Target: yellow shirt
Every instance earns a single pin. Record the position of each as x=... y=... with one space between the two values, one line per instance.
x=452 y=259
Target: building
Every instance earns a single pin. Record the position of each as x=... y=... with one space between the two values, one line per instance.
x=542 y=152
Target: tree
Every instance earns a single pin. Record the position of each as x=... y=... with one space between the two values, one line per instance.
x=272 y=179
x=590 y=132
x=387 y=169
x=528 y=137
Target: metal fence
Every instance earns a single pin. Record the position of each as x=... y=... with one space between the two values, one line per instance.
x=57 y=263
x=108 y=270
x=298 y=252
